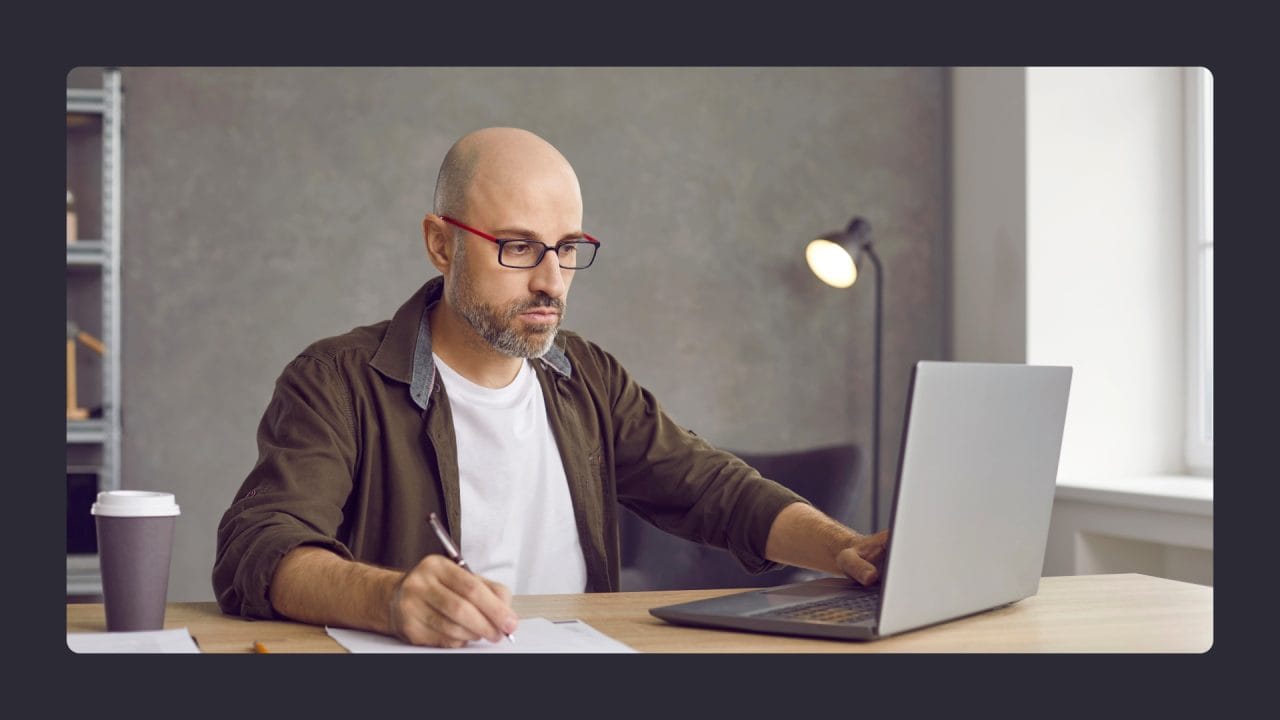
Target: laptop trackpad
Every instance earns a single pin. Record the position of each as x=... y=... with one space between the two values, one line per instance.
x=814 y=588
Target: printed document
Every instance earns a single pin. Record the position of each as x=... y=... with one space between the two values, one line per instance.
x=150 y=641
x=535 y=635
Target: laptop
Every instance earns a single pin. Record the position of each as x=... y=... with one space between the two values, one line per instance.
x=976 y=479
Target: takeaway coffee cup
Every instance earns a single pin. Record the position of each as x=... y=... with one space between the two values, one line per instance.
x=135 y=541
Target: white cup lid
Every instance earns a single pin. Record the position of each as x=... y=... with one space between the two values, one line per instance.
x=134 y=503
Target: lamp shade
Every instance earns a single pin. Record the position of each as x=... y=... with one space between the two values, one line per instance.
x=832 y=256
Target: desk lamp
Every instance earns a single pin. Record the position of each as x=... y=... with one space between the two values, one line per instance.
x=835 y=258
x=74 y=334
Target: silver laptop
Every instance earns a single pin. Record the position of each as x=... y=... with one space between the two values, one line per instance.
x=976 y=479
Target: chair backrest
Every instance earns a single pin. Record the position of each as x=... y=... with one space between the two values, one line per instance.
x=655 y=560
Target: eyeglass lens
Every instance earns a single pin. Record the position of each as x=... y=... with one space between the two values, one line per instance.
x=572 y=255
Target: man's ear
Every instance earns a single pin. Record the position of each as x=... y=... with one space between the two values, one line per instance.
x=439 y=241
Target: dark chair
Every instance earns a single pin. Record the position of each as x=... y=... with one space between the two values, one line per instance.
x=656 y=560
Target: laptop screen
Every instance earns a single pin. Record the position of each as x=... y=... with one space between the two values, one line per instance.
x=976 y=480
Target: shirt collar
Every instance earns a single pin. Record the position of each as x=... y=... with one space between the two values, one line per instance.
x=405 y=351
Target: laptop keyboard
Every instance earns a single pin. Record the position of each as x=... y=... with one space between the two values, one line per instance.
x=845 y=610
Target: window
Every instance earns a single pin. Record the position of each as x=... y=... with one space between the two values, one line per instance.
x=1199 y=111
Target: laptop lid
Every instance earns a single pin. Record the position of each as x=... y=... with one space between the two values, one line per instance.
x=976 y=480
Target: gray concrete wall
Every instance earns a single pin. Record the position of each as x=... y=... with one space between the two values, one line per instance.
x=265 y=208
x=989 y=215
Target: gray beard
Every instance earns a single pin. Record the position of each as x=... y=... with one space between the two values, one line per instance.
x=496 y=328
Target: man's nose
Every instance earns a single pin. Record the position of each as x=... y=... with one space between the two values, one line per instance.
x=547 y=276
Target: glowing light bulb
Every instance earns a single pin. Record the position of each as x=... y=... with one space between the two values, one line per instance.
x=831 y=263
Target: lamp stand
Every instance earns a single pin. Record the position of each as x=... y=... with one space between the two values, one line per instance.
x=875 y=426
x=74 y=411
x=74 y=333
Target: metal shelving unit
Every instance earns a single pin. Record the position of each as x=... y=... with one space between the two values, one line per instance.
x=86 y=253
x=101 y=256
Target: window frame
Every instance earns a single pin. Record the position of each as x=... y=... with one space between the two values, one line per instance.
x=1198 y=444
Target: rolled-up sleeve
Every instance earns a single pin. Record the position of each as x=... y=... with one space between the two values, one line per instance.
x=296 y=491
x=682 y=484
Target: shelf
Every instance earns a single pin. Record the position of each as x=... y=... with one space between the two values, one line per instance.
x=86 y=101
x=86 y=253
x=84 y=575
x=86 y=432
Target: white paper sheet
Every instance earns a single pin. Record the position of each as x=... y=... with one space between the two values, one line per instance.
x=151 y=641
x=535 y=635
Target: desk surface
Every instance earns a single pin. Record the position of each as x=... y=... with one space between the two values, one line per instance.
x=1083 y=613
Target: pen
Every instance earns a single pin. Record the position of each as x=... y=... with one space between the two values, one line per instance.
x=453 y=551
x=259 y=648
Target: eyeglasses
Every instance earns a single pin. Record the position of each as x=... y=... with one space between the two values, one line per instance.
x=571 y=254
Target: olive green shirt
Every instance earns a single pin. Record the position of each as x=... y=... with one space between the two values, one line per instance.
x=356 y=449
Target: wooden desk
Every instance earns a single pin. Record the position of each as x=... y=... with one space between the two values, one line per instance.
x=1083 y=613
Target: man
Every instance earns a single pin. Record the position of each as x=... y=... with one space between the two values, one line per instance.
x=471 y=403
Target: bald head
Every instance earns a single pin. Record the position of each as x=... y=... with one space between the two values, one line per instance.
x=490 y=164
x=509 y=184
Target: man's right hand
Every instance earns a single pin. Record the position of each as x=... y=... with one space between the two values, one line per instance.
x=441 y=604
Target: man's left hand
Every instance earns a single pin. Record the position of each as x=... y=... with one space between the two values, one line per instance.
x=864 y=560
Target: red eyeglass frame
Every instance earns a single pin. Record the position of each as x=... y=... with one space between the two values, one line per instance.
x=500 y=242
x=491 y=238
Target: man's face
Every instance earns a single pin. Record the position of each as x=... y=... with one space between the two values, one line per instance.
x=522 y=327
x=517 y=311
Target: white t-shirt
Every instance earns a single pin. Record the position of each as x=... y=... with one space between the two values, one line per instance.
x=518 y=526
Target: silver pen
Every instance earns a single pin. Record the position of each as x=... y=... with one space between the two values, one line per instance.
x=454 y=554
